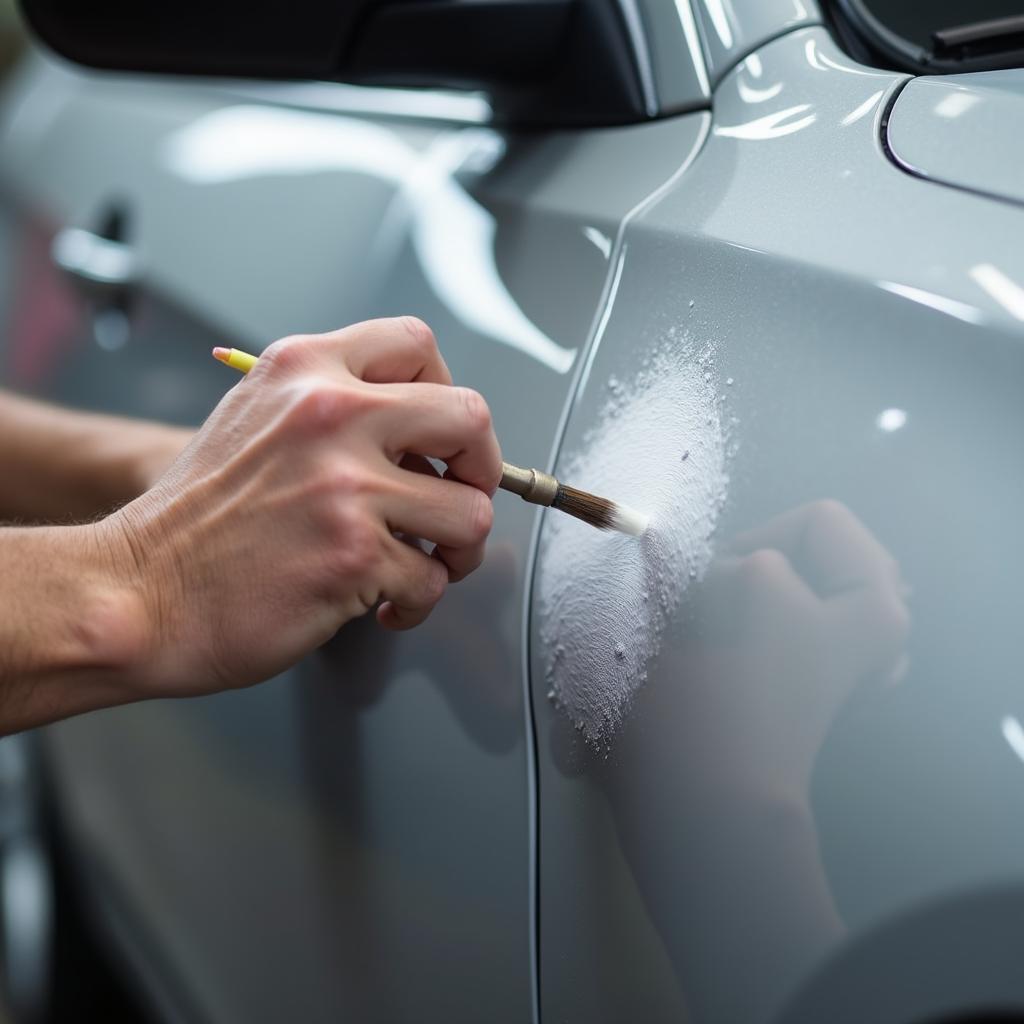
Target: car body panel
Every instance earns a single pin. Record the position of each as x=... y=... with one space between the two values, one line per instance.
x=731 y=29
x=963 y=130
x=829 y=341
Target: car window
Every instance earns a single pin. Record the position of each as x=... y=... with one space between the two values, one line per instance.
x=941 y=36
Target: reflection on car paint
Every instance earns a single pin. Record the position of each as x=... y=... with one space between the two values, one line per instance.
x=1003 y=289
x=940 y=303
x=600 y=239
x=452 y=234
x=771 y=126
x=863 y=109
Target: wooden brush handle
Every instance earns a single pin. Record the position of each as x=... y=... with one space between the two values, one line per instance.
x=530 y=484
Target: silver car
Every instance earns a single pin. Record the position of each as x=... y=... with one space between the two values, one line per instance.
x=752 y=266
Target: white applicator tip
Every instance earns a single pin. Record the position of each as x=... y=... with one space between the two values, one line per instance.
x=628 y=520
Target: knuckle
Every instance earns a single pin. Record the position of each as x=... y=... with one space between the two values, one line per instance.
x=477 y=412
x=353 y=546
x=422 y=336
x=764 y=566
x=320 y=406
x=435 y=583
x=345 y=480
x=286 y=355
x=830 y=508
x=480 y=516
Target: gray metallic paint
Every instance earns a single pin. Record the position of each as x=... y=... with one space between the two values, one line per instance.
x=731 y=29
x=357 y=839
x=833 y=287
x=963 y=130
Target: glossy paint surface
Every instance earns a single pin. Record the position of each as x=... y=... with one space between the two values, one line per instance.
x=963 y=130
x=812 y=810
x=731 y=29
x=354 y=839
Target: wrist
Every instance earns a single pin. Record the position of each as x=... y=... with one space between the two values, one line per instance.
x=75 y=635
x=117 y=630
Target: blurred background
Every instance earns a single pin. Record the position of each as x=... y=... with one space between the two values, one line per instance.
x=92 y=990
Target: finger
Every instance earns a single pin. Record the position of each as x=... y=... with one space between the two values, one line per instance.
x=454 y=515
x=387 y=351
x=412 y=584
x=868 y=628
x=758 y=597
x=829 y=545
x=447 y=423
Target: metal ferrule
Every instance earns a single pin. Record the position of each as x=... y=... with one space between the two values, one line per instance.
x=530 y=484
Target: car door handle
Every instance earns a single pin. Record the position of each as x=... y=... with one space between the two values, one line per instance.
x=95 y=260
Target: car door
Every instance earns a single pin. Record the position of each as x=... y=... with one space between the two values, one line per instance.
x=357 y=838
x=779 y=739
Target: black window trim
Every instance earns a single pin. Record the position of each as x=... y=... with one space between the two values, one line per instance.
x=869 y=40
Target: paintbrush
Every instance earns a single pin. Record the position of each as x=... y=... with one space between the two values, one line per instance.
x=543 y=489
x=530 y=484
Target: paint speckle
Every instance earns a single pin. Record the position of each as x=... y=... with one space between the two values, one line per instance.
x=595 y=589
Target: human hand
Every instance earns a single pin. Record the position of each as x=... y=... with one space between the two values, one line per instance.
x=793 y=617
x=806 y=609
x=278 y=522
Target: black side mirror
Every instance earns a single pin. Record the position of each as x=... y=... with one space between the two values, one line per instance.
x=544 y=62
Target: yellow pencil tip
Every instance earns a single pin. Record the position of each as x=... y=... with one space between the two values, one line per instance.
x=223 y=354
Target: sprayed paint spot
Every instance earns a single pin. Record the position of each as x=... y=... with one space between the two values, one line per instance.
x=600 y=626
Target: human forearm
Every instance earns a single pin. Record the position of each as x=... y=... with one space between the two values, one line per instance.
x=73 y=632
x=276 y=525
x=60 y=465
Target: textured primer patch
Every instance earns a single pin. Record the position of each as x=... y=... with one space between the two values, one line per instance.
x=605 y=599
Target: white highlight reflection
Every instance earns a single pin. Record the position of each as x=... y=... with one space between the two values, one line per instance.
x=1013 y=733
x=751 y=95
x=720 y=19
x=960 y=310
x=823 y=62
x=1007 y=293
x=772 y=126
x=891 y=420
x=464 y=107
x=865 y=108
x=692 y=37
x=600 y=239
x=452 y=235
x=955 y=104
x=813 y=57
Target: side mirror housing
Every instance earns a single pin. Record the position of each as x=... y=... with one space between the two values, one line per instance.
x=543 y=62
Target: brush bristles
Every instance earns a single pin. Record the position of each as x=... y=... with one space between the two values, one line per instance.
x=599 y=512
